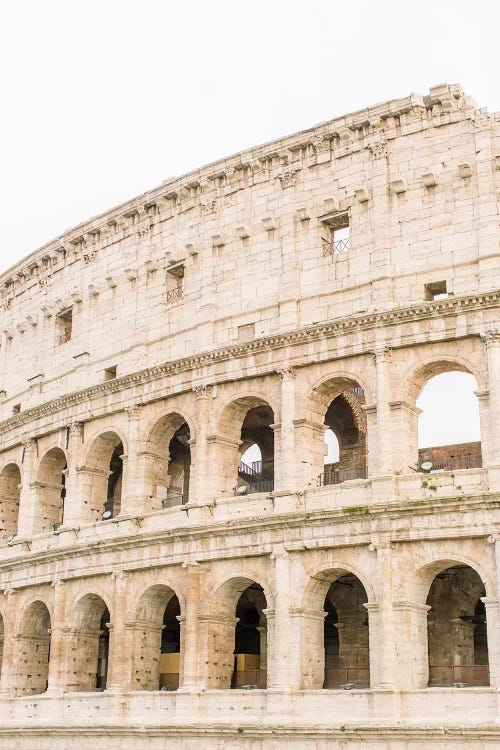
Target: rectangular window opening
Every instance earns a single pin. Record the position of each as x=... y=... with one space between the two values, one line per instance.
x=175 y=283
x=336 y=234
x=435 y=291
x=110 y=373
x=64 y=322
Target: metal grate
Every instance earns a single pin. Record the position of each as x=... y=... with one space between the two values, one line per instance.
x=173 y=295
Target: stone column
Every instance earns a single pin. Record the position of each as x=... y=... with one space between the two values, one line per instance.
x=216 y=650
x=493 y=635
x=404 y=429
x=279 y=666
x=381 y=624
x=72 y=502
x=490 y=437
x=192 y=676
x=410 y=627
x=201 y=480
x=285 y=464
x=145 y=650
x=120 y=638
x=58 y=641
x=310 y=454
x=379 y=419
x=380 y=258
x=27 y=497
x=310 y=624
x=133 y=500
x=10 y=644
x=492 y=605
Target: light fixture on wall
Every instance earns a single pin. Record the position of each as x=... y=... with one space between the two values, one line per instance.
x=426 y=466
x=242 y=490
x=107 y=514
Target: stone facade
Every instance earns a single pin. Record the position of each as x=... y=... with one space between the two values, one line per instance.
x=317 y=281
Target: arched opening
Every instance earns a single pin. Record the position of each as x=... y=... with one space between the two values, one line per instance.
x=256 y=466
x=33 y=650
x=250 y=640
x=157 y=641
x=88 y=654
x=10 y=490
x=102 y=478
x=168 y=462
x=334 y=628
x=113 y=502
x=237 y=636
x=179 y=466
x=456 y=628
x=346 y=635
x=449 y=435
x=103 y=652
x=345 y=438
x=50 y=491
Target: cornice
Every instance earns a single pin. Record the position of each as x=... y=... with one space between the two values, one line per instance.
x=282 y=158
x=330 y=329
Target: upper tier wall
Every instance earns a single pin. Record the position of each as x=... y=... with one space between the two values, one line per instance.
x=417 y=179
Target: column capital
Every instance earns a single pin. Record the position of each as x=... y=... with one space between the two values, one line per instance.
x=286 y=373
x=75 y=429
x=202 y=391
x=29 y=443
x=381 y=353
x=134 y=410
x=491 y=337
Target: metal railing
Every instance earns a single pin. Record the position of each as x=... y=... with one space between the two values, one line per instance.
x=253 y=470
x=455 y=462
x=173 y=295
x=332 y=474
x=340 y=246
x=336 y=677
x=475 y=675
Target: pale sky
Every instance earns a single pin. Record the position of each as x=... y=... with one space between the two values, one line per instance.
x=104 y=99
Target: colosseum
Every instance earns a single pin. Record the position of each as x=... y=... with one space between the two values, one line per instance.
x=184 y=563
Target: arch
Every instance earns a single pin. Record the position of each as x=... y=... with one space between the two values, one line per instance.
x=89 y=648
x=103 y=473
x=156 y=640
x=238 y=621
x=334 y=629
x=50 y=490
x=416 y=378
x=420 y=584
x=168 y=460
x=10 y=491
x=244 y=420
x=456 y=628
x=455 y=454
x=335 y=403
x=33 y=649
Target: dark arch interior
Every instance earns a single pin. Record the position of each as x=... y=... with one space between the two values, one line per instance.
x=250 y=639
x=179 y=466
x=103 y=652
x=114 y=493
x=456 y=627
x=170 y=646
x=346 y=419
x=346 y=634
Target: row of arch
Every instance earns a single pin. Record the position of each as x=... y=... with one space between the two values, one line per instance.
x=336 y=639
x=242 y=459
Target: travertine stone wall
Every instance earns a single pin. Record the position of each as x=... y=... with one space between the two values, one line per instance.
x=213 y=312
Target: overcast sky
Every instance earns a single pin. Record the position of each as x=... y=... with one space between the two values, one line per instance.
x=104 y=99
